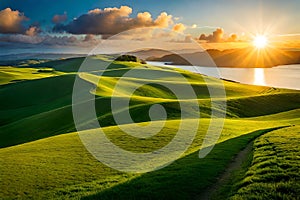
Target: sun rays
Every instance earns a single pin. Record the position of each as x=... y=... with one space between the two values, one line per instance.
x=260 y=41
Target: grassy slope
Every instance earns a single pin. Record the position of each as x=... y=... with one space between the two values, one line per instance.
x=272 y=170
x=47 y=102
x=62 y=167
x=27 y=98
x=13 y=74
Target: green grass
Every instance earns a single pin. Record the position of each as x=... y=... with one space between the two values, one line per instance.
x=45 y=109
x=28 y=98
x=42 y=156
x=194 y=177
x=63 y=168
x=12 y=74
x=62 y=162
x=272 y=170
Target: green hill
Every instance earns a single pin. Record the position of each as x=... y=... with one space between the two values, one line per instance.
x=43 y=157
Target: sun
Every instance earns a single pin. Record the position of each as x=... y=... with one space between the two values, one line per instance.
x=260 y=41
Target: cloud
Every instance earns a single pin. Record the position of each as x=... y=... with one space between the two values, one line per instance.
x=232 y=38
x=32 y=31
x=60 y=40
x=218 y=36
x=11 y=21
x=182 y=38
x=144 y=18
x=89 y=37
x=179 y=27
x=50 y=40
x=188 y=38
x=58 y=19
x=19 y=38
x=163 y=20
x=204 y=37
x=110 y=21
x=140 y=34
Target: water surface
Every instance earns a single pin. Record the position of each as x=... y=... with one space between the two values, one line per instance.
x=284 y=76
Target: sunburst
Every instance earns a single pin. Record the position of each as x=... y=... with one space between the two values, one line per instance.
x=260 y=41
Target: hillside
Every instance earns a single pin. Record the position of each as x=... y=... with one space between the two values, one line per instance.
x=156 y=53
x=42 y=156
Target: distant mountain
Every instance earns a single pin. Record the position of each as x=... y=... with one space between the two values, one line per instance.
x=155 y=53
x=247 y=57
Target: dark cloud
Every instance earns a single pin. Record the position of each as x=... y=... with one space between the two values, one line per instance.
x=58 y=19
x=59 y=40
x=50 y=40
x=110 y=21
x=11 y=21
x=19 y=38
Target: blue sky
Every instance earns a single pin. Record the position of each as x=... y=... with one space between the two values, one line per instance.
x=228 y=14
x=239 y=17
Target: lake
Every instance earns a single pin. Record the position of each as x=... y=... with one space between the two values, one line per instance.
x=285 y=76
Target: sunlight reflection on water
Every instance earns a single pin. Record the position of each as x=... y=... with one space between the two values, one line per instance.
x=259 y=76
x=284 y=76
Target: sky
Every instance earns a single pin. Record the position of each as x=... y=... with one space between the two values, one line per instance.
x=66 y=23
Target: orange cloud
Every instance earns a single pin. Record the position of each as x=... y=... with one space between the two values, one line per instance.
x=123 y=11
x=179 y=27
x=32 y=31
x=11 y=21
x=163 y=20
x=59 y=18
x=144 y=17
x=232 y=38
x=218 y=36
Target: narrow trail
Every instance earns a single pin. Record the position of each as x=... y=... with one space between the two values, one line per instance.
x=234 y=165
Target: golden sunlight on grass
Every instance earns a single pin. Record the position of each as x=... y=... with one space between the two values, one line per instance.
x=260 y=41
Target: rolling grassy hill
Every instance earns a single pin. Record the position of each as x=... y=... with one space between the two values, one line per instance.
x=270 y=171
x=42 y=156
x=274 y=167
x=13 y=74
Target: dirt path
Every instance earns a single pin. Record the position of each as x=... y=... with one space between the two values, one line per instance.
x=234 y=165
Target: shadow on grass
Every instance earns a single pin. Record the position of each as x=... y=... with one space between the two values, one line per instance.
x=186 y=178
